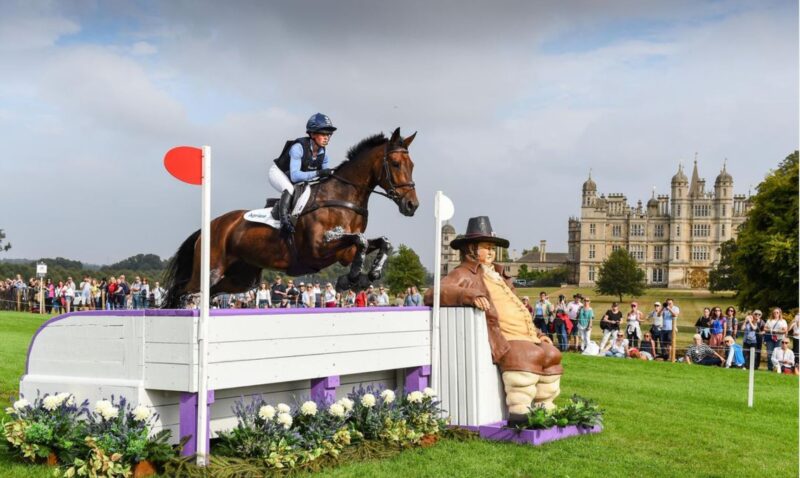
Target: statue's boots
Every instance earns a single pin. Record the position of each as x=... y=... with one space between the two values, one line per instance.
x=287 y=228
x=521 y=390
x=547 y=389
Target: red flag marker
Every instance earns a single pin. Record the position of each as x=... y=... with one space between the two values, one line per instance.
x=185 y=163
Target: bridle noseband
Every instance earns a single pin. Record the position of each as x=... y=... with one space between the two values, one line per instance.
x=391 y=191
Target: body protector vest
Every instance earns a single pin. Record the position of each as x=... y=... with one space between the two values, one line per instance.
x=306 y=164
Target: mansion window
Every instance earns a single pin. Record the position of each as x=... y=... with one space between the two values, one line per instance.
x=615 y=248
x=658 y=276
x=591 y=273
x=678 y=210
x=658 y=230
x=637 y=229
x=591 y=251
x=702 y=210
x=723 y=230
x=616 y=230
x=700 y=253
x=677 y=253
x=592 y=229
x=658 y=253
x=701 y=230
x=724 y=210
x=677 y=230
x=637 y=252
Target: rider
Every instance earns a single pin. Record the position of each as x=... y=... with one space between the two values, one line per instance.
x=303 y=159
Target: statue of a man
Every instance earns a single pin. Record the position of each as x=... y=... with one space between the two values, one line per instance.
x=530 y=364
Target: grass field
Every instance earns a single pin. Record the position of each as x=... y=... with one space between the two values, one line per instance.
x=662 y=419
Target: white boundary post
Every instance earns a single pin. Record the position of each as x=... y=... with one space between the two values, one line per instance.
x=205 y=299
x=443 y=210
x=750 y=381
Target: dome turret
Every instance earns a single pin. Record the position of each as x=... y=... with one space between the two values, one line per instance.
x=680 y=177
x=724 y=177
x=589 y=185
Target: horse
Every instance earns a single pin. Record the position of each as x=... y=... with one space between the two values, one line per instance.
x=330 y=228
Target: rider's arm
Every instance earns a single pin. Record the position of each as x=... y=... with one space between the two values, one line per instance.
x=295 y=161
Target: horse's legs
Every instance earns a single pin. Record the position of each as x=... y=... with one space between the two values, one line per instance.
x=383 y=246
x=347 y=239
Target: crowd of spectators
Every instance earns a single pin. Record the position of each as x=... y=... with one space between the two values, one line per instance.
x=288 y=294
x=90 y=293
x=569 y=325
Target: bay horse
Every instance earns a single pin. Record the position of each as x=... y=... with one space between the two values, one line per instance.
x=330 y=229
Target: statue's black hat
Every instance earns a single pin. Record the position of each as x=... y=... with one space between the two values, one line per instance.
x=479 y=229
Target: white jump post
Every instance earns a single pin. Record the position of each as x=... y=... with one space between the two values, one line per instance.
x=443 y=210
x=750 y=380
x=205 y=300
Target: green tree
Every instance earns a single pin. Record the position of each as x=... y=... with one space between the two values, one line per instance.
x=404 y=269
x=6 y=246
x=724 y=276
x=766 y=256
x=619 y=275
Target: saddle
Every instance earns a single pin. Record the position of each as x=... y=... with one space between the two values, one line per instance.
x=297 y=196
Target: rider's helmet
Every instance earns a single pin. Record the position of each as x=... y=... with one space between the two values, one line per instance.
x=319 y=123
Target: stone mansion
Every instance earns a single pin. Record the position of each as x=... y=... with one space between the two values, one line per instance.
x=675 y=238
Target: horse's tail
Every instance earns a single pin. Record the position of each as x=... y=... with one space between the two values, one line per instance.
x=179 y=272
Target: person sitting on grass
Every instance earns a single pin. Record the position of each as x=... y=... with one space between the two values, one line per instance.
x=701 y=354
x=783 y=358
x=647 y=351
x=618 y=348
x=735 y=354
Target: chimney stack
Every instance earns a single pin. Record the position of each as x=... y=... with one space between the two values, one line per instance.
x=542 y=252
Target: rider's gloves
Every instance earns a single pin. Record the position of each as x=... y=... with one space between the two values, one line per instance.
x=324 y=173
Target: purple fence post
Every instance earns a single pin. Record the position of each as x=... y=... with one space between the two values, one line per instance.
x=188 y=421
x=323 y=390
x=417 y=378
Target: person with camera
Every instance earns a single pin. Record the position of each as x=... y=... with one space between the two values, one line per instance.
x=302 y=159
x=774 y=332
x=609 y=324
x=670 y=314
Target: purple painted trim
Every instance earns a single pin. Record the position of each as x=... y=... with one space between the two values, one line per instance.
x=188 y=421
x=321 y=310
x=323 y=390
x=499 y=432
x=417 y=378
x=57 y=318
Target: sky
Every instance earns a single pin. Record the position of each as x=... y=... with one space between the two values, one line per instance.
x=514 y=103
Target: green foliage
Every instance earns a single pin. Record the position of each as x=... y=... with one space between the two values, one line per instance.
x=548 y=278
x=6 y=246
x=140 y=262
x=579 y=411
x=404 y=269
x=99 y=464
x=620 y=275
x=766 y=255
x=724 y=276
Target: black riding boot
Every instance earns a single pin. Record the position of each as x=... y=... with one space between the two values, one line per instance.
x=283 y=211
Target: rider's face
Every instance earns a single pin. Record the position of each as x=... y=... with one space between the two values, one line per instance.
x=321 y=139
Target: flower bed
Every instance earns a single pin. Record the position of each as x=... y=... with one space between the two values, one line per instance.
x=110 y=439
x=579 y=417
x=272 y=438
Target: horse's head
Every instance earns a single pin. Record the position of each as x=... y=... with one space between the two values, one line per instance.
x=396 y=173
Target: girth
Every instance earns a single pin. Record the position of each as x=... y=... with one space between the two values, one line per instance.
x=336 y=203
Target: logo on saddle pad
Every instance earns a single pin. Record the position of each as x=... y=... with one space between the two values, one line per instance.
x=265 y=216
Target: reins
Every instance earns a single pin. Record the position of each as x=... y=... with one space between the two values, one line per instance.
x=391 y=191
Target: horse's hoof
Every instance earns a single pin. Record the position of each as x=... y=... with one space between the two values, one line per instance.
x=374 y=275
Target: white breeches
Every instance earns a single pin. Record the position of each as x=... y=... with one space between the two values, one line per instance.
x=279 y=180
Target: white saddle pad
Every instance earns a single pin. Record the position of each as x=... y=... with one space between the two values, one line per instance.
x=264 y=216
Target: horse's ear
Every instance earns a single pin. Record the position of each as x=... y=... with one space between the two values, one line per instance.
x=395 y=139
x=408 y=140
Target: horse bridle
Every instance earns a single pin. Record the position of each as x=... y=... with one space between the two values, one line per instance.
x=391 y=191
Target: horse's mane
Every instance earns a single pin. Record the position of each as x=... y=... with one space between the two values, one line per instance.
x=366 y=144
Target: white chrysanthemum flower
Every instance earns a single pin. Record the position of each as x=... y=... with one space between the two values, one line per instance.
x=308 y=408
x=387 y=396
x=267 y=412
x=429 y=392
x=368 y=400
x=109 y=413
x=141 y=413
x=346 y=403
x=63 y=397
x=21 y=403
x=71 y=400
x=101 y=405
x=283 y=408
x=285 y=419
x=51 y=402
x=415 y=397
x=337 y=410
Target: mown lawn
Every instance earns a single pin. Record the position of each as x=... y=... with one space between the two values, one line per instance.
x=662 y=419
